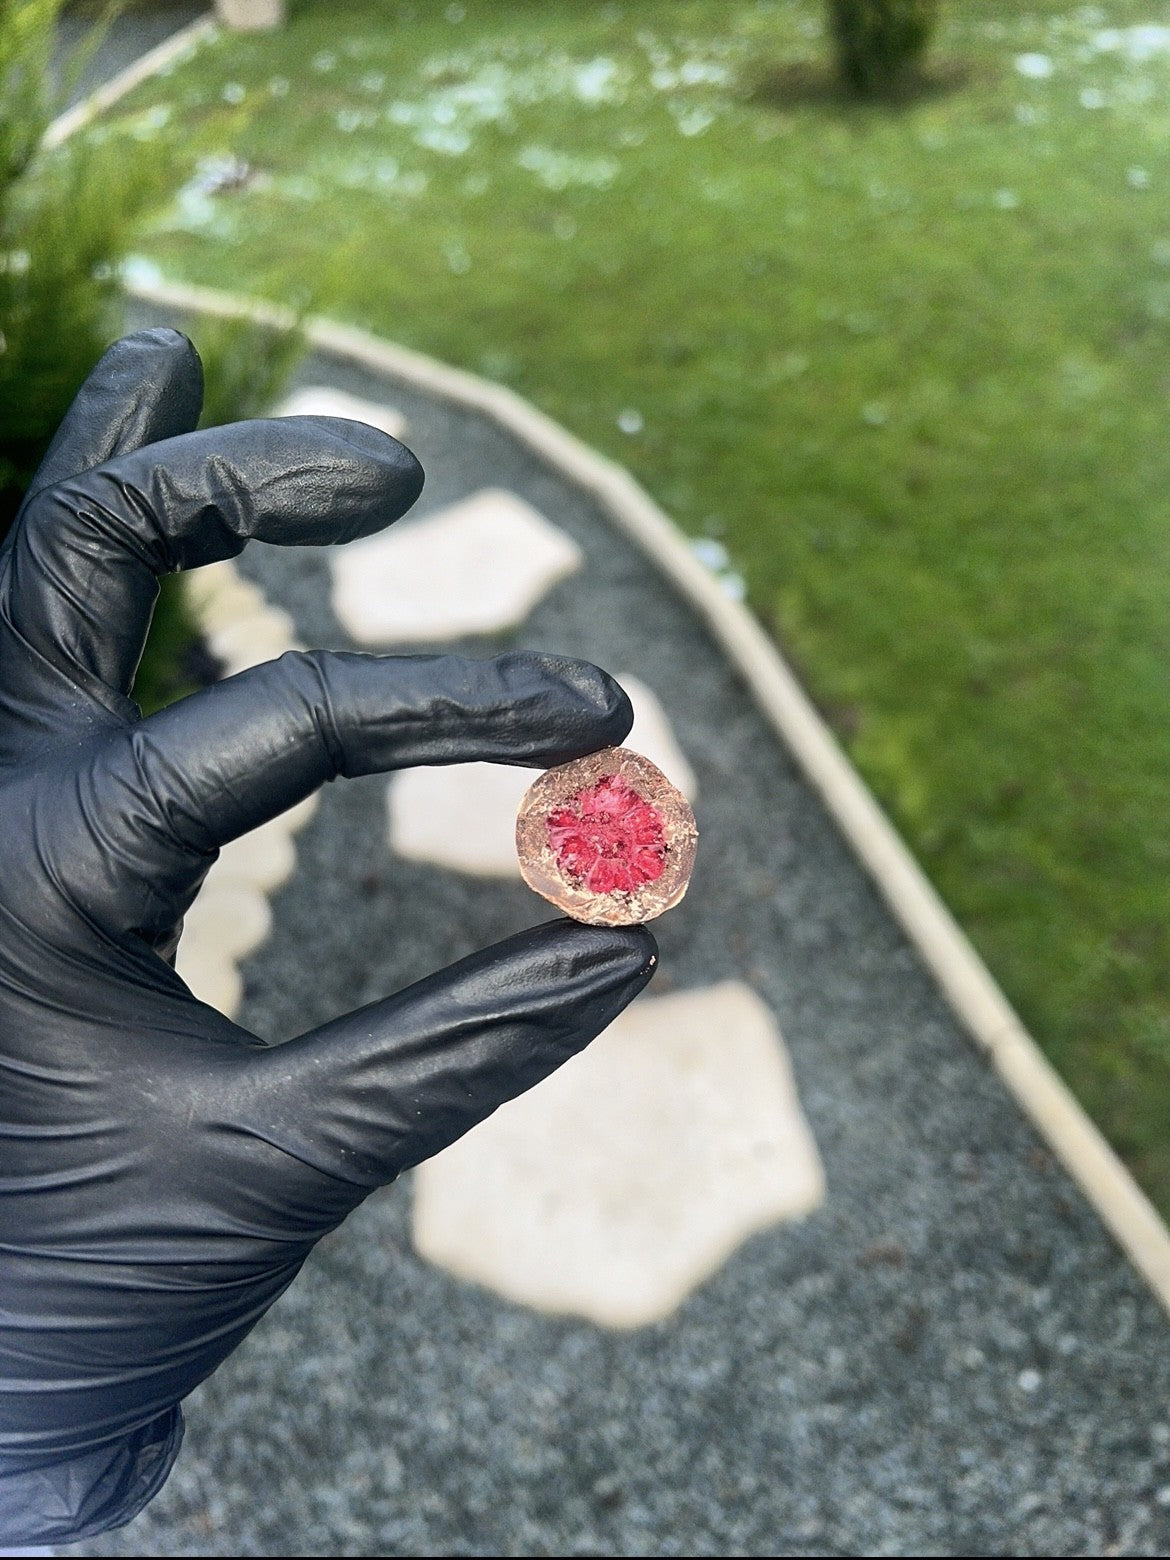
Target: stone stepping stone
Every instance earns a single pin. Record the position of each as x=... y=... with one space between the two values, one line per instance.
x=241 y=627
x=231 y=915
x=464 y=816
x=614 y=1188
x=476 y=567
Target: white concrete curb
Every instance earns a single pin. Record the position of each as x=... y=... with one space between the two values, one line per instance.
x=962 y=975
x=148 y=64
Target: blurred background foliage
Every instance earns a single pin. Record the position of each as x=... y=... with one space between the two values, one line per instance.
x=878 y=44
x=68 y=214
x=66 y=217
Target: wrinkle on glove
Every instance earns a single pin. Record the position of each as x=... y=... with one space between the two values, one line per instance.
x=163 y=1173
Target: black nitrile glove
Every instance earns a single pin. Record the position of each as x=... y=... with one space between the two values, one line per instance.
x=163 y=1174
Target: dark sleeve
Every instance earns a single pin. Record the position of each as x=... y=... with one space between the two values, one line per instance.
x=102 y=1488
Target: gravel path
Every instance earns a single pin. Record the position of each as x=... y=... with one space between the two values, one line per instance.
x=949 y=1356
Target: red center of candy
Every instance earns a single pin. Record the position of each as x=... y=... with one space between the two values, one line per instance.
x=607 y=839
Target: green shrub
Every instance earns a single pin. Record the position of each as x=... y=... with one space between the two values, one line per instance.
x=877 y=43
x=67 y=216
x=246 y=367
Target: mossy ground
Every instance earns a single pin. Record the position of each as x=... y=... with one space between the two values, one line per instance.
x=909 y=365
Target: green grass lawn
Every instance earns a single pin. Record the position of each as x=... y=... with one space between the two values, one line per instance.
x=911 y=367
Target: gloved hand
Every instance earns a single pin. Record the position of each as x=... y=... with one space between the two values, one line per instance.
x=164 y=1174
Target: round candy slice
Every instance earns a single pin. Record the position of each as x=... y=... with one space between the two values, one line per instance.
x=607 y=838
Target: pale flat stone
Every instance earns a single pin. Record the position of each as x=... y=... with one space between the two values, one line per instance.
x=464 y=816
x=251 y=640
x=476 y=567
x=231 y=916
x=235 y=915
x=210 y=977
x=653 y=736
x=267 y=857
x=617 y=1186
x=219 y=595
x=325 y=401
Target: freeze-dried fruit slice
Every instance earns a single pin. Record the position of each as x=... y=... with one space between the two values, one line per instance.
x=607 y=838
